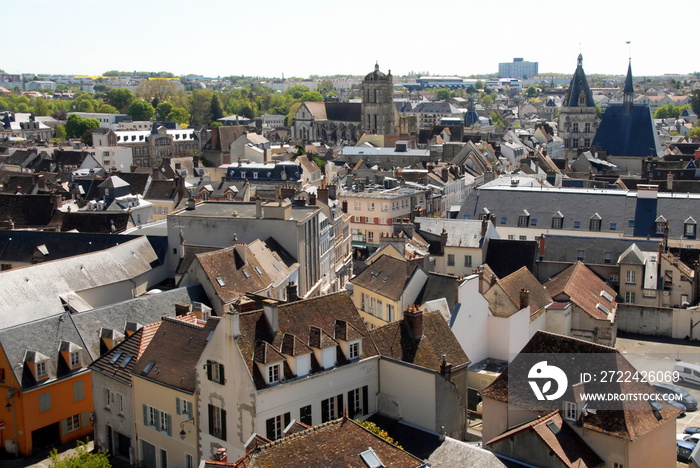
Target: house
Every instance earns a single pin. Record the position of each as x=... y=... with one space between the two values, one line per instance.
x=421 y=349
x=250 y=147
x=304 y=360
x=388 y=285
x=310 y=172
x=594 y=304
x=622 y=432
x=43 y=369
x=165 y=393
x=353 y=446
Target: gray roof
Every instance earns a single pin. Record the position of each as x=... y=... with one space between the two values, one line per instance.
x=40 y=290
x=632 y=256
x=563 y=248
x=460 y=232
x=453 y=452
x=19 y=247
x=142 y=310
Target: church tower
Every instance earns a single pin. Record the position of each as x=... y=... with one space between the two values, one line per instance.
x=628 y=99
x=378 y=103
x=578 y=121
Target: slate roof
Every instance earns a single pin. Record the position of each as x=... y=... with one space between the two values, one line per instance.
x=41 y=290
x=42 y=337
x=138 y=181
x=274 y=259
x=581 y=286
x=222 y=137
x=434 y=108
x=396 y=340
x=440 y=286
x=565 y=443
x=175 y=349
x=19 y=247
x=629 y=423
x=564 y=248
x=142 y=310
x=460 y=232
x=578 y=84
x=334 y=443
x=95 y=222
x=162 y=190
x=632 y=134
x=298 y=319
x=119 y=362
x=386 y=276
x=27 y=210
x=506 y=256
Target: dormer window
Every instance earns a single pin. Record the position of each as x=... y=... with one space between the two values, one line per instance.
x=524 y=219
x=354 y=350
x=660 y=223
x=41 y=372
x=557 y=220
x=595 y=222
x=690 y=228
x=75 y=359
x=274 y=373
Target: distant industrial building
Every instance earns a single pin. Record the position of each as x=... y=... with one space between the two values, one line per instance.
x=517 y=69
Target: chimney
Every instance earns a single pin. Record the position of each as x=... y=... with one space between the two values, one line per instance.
x=240 y=249
x=190 y=204
x=271 y=314
x=541 y=246
x=524 y=298
x=443 y=241
x=446 y=368
x=312 y=199
x=484 y=226
x=221 y=455
x=235 y=323
x=345 y=206
x=292 y=292
x=445 y=173
x=258 y=208
x=413 y=316
x=287 y=192
x=323 y=194
x=669 y=181
x=332 y=192
x=181 y=309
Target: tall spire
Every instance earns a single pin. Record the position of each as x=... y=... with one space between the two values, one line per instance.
x=628 y=99
x=579 y=93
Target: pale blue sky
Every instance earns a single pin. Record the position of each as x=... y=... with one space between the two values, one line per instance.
x=305 y=37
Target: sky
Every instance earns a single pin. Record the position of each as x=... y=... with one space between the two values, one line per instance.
x=276 y=38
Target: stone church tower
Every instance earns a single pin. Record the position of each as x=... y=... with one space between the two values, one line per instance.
x=578 y=121
x=378 y=103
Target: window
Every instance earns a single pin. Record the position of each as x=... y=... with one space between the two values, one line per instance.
x=354 y=350
x=608 y=257
x=614 y=278
x=380 y=309
x=577 y=224
x=107 y=398
x=217 y=422
x=595 y=225
x=575 y=127
x=385 y=207
x=580 y=255
x=370 y=235
x=533 y=222
x=358 y=400
x=660 y=227
x=570 y=410
x=689 y=227
x=522 y=237
x=78 y=390
x=618 y=465
x=183 y=407
x=41 y=370
x=504 y=220
x=587 y=127
x=371 y=206
x=189 y=461
x=613 y=226
x=273 y=373
x=215 y=372
x=276 y=425
x=468 y=261
x=120 y=403
x=305 y=415
x=629 y=297
x=631 y=277
x=389 y=313
x=73 y=423
x=156 y=419
x=329 y=408
x=75 y=359
x=358 y=205
x=556 y=223
x=163 y=459
x=523 y=221
x=45 y=401
x=450 y=260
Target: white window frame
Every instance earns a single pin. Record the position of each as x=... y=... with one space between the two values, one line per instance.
x=274 y=373
x=354 y=350
x=75 y=359
x=107 y=398
x=631 y=277
x=41 y=371
x=570 y=411
x=630 y=297
x=73 y=423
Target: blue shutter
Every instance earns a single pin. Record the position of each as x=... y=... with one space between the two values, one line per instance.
x=145 y=415
x=177 y=405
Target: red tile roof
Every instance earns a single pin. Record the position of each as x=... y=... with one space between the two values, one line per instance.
x=583 y=287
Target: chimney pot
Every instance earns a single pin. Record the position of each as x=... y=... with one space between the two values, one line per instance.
x=413 y=317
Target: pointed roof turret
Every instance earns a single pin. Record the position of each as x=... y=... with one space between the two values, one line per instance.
x=579 y=93
x=628 y=99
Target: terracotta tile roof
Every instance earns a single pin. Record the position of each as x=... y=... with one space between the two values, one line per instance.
x=537 y=294
x=581 y=286
x=233 y=271
x=175 y=349
x=387 y=276
x=265 y=353
x=560 y=439
x=396 y=340
x=335 y=443
x=299 y=319
x=222 y=137
x=634 y=420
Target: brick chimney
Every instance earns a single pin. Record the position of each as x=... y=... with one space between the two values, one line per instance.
x=292 y=292
x=446 y=368
x=312 y=199
x=541 y=245
x=524 y=298
x=287 y=192
x=323 y=194
x=484 y=226
x=413 y=317
x=271 y=314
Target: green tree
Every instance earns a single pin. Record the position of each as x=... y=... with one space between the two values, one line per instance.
x=497 y=119
x=479 y=84
x=120 y=98
x=297 y=91
x=311 y=96
x=531 y=92
x=290 y=115
x=81 y=458
x=163 y=109
x=325 y=87
x=486 y=101
x=443 y=94
x=141 y=110
x=107 y=109
x=200 y=106
x=215 y=108
x=41 y=108
x=76 y=126
x=695 y=101
x=694 y=132
x=179 y=115
x=60 y=132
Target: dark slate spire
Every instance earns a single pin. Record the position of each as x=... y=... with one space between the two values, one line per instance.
x=579 y=93
x=628 y=99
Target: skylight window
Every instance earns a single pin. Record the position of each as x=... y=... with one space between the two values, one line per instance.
x=606 y=295
x=276 y=267
x=125 y=362
x=600 y=306
x=246 y=274
x=258 y=270
x=221 y=281
x=148 y=367
x=115 y=358
x=371 y=459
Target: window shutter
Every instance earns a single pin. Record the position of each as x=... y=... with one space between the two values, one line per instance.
x=287 y=419
x=158 y=428
x=145 y=415
x=178 y=402
x=64 y=426
x=209 y=364
x=365 y=400
x=351 y=408
x=339 y=410
x=324 y=411
x=223 y=424
x=270 y=427
x=221 y=374
x=168 y=422
x=211 y=419
x=84 y=419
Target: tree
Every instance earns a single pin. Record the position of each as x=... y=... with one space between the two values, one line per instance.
x=179 y=115
x=531 y=92
x=41 y=108
x=694 y=132
x=141 y=110
x=76 y=126
x=497 y=119
x=60 y=132
x=376 y=430
x=107 y=109
x=156 y=88
x=443 y=94
x=163 y=109
x=81 y=458
x=695 y=101
x=479 y=84
x=120 y=98
x=200 y=106
x=311 y=96
x=215 y=108
x=297 y=91
x=486 y=101
x=290 y=115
